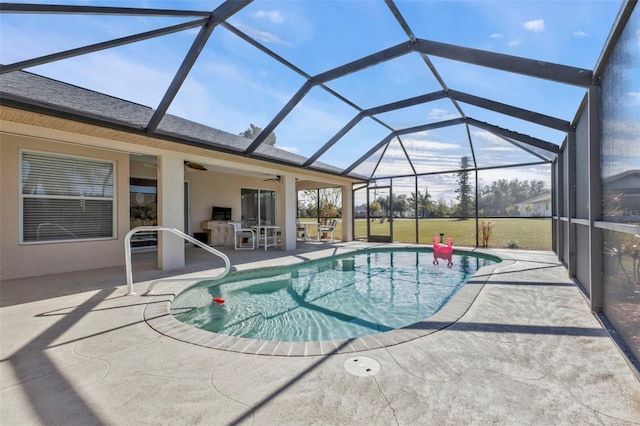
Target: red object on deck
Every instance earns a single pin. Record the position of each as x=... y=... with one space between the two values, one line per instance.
x=218 y=300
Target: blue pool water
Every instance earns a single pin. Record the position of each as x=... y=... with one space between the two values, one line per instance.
x=335 y=298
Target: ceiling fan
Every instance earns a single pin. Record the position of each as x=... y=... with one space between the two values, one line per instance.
x=194 y=166
x=273 y=179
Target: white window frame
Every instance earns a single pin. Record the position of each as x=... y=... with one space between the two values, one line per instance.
x=113 y=198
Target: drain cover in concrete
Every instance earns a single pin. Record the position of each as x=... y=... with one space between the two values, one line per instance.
x=362 y=366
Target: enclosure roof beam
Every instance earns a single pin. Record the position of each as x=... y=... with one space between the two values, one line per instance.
x=365 y=62
x=372 y=111
x=526 y=139
x=417 y=100
x=97 y=10
x=100 y=46
x=357 y=65
x=222 y=12
x=431 y=126
x=368 y=154
x=308 y=85
x=523 y=114
x=350 y=125
x=524 y=148
x=529 y=67
x=480 y=169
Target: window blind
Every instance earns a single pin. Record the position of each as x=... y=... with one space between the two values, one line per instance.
x=66 y=198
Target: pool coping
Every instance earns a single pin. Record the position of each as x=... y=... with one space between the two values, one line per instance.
x=158 y=316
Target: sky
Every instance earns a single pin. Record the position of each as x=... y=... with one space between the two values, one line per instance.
x=233 y=85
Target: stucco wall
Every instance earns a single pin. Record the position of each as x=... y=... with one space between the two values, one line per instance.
x=22 y=260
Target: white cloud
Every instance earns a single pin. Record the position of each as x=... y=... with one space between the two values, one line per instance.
x=515 y=42
x=264 y=36
x=535 y=25
x=634 y=98
x=498 y=148
x=268 y=37
x=487 y=137
x=580 y=33
x=273 y=16
x=420 y=144
x=638 y=36
x=496 y=35
x=290 y=149
x=441 y=114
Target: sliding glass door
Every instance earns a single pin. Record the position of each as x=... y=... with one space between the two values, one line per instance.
x=258 y=207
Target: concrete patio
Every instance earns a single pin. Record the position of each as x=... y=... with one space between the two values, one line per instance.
x=76 y=350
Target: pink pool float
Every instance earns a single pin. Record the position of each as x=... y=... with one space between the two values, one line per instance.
x=442 y=251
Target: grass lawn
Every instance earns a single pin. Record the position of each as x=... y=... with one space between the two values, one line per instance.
x=533 y=234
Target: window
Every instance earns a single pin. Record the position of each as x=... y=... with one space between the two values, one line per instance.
x=65 y=198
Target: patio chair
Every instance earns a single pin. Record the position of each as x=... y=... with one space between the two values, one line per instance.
x=328 y=229
x=301 y=229
x=242 y=237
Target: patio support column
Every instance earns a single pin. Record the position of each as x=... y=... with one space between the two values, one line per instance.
x=570 y=195
x=595 y=200
x=347 y=213
x=170 y=210
x=559 y=208
x=287 y=204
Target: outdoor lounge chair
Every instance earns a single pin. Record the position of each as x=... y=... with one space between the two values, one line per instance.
x=243 y=238
x=328 y=229
x=301 y=229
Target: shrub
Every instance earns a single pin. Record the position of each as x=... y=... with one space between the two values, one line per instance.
x=513 y=244
x=487 y=229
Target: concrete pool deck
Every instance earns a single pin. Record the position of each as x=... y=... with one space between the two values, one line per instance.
x=75 y=349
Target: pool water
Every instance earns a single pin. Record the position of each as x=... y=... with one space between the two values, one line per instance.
x=335 y=298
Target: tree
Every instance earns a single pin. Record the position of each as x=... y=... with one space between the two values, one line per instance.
x=398 y=204
x=500 y=198
x=441 y=209
x=422 y=203
x=374 y=208
x=253 y=131
x=323 y=203
x=464 y=189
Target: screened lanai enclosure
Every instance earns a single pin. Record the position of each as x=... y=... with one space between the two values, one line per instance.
x=499 y=126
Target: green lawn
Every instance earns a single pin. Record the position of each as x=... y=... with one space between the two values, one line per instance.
x=534 y=234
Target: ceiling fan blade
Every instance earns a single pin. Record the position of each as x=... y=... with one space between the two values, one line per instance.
x=195 y=166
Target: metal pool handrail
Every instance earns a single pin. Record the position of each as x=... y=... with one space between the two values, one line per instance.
x=127 y=258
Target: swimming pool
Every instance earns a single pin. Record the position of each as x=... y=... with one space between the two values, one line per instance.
x=340 y=297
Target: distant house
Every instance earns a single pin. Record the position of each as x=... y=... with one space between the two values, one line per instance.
x=360 y=212
x=536 y=206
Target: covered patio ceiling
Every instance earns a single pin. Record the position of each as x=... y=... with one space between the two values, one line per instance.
x=367 y=89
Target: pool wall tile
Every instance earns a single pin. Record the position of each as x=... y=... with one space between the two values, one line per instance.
x=313 y=348
x=253 y=346
x=268 y=348
x=298 y=349
x=358 y=345
x=283 y=349
x=240 y=345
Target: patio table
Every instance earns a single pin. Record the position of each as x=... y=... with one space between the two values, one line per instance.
x=267 y=229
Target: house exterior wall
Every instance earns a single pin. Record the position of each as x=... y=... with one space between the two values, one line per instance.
x=540 y=208
x=21 y=260
x=133 y=156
